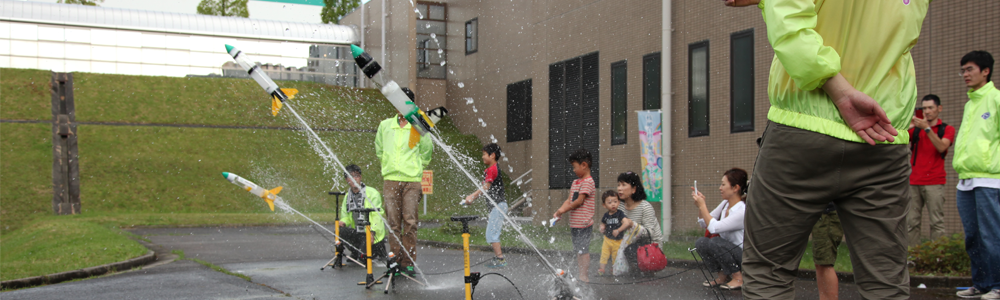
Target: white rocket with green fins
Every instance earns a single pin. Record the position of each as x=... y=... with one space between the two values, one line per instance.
x=420 y=122
x=278 y=95
x=253 y=188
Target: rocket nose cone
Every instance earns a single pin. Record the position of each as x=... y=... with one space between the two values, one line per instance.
x=225 y=175
x=229 y=48
x=356 y=51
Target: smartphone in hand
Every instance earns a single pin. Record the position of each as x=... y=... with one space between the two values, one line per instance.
x=919 y=113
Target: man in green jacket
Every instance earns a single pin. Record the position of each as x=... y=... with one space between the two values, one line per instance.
x=402 y=169
x=837 y=65
x=978 y=165
x=362 y=197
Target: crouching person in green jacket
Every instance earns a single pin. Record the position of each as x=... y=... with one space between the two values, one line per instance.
x=361 y=196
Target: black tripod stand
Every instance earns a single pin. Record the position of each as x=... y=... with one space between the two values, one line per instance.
x=391 y=273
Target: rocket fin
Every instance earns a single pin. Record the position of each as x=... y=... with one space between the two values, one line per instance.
x=427 y=119
x=290 y=92
x=414 y=136
x=275 y=106
x=270 y=202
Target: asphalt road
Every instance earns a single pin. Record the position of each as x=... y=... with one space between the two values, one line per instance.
x=284 y=262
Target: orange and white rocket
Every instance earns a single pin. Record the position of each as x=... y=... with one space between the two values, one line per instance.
x=278 y=95
x=253 y=188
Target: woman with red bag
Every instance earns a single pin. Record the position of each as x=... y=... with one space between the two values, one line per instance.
x=643 y=254
x=723 y=253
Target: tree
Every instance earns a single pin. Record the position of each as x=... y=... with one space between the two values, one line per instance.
x=336 y=9
x=228 y=8
x=82 y=2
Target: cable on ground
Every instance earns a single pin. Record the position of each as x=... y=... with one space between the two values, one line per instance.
x=504 y=277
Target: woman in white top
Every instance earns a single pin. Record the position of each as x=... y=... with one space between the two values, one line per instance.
x=722 y=251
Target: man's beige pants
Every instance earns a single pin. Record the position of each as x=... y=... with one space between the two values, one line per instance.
x=401 y=201
x=931 y=196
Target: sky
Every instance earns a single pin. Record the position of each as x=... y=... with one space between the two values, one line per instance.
x=267 y=10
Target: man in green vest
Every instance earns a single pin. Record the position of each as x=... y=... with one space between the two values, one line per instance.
x=978 y=165
x=402 y=169
x=842 y=92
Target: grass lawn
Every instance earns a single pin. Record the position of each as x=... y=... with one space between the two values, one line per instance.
x=171 y=176
x=51 y=245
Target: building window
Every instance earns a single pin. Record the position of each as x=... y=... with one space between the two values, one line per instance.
x=741 y=90
x=619 y=102
x=573 y=117
x=698 y=89
x=519 y=111
x=472 y=36
x=651 y=81
x=432 y=40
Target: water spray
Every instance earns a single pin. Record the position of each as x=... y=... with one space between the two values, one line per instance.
x=278 y=101
x=272 y=199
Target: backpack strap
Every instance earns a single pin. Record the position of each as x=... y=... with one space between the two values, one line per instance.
x=940 y=132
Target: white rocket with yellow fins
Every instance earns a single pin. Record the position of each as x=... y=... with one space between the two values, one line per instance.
x=278 y=95
x=420 y=122
x=253 y=188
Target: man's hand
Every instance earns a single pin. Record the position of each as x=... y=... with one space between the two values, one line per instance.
x=738 y=3
x=470 y=198
x=615 y=232
x=920 y=123
x=863 y=114
x=859 y=111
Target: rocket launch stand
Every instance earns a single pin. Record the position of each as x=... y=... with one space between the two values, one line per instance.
x=471 y=279
x=364 y=217
x=338 y=258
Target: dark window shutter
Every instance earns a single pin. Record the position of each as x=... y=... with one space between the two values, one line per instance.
x=519 y=111
x=590 y=105
x=557 y=124
x=573 y=116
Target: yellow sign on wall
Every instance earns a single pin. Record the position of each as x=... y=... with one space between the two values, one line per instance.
x=427 y=182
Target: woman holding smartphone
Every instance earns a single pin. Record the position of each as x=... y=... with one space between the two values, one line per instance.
x=724 y=253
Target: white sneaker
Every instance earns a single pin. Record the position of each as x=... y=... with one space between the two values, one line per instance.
x=972 y=292
x=994 y=294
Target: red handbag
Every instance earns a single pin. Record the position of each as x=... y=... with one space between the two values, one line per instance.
x=651 y=258
x=709 y=234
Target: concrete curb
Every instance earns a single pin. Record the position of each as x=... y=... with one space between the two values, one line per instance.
x=929 y=281
x=150 y=256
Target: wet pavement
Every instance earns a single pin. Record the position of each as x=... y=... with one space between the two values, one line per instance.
x=284 y=262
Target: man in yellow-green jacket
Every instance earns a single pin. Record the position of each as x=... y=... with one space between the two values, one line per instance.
x=362 y=196
x=977 y=161
x=402 y=169
x=842 y=91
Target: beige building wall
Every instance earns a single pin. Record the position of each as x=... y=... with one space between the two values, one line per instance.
x=705 y=158
x=518 y=40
